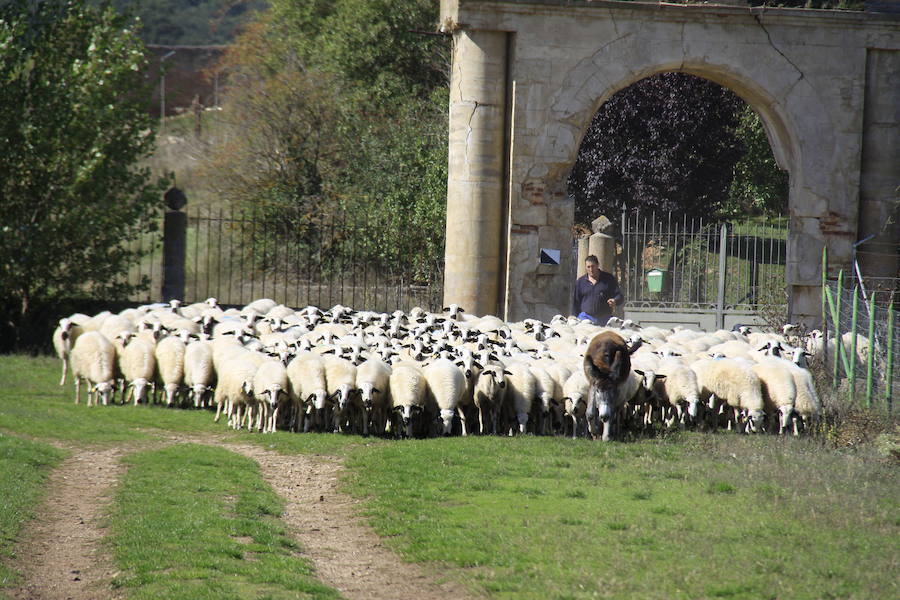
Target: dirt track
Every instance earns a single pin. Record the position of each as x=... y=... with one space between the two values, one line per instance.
x=62 y=556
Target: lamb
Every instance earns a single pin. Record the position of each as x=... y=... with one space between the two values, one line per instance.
x=807 y=406
x=733 y=382
x=93 y=358
x=138 y=366
x=408 y=387
x=340 y=375
x=446 y=387
x=63 y=339
x=170 y=364
x=778 y=389
x=308 y=391
x=270 y=384
x=199 y=371
x=488 y=396
x=373 y=381
x=607 y=367
x=521 y=391
x=545 y=391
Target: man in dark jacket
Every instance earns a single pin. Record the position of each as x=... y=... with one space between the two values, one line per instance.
x=596 y=294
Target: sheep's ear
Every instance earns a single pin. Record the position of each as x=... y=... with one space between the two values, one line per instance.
x=374 y=389
x=506 y=372
x=554 y=402
x=660 y=377
x=311 y=398
x=446 y=309
x=477 y=364
x=639 y=372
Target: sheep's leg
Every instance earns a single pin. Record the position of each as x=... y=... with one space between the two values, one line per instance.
x=462 y=420
x=65 y=370
x=77 y=389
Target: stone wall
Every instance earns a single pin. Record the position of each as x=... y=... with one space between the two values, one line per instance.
x=804 y=71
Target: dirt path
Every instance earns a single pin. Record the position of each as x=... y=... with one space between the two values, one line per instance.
x=61 y=555
x=347 y=554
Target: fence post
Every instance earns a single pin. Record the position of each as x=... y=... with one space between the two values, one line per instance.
x=854 y=322
x=720 y=298
x=836 y=317
x=889 y=380
x=870 y=356
x=174 y=245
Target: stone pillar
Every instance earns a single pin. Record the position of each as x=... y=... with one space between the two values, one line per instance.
x=583 y=253
x=475 y=183
x=879 y=192
x=604 y=248
x=174 y=246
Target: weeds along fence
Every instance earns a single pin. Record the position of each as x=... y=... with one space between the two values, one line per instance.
x=862 y=332
x=702 y=264
x=298 y=259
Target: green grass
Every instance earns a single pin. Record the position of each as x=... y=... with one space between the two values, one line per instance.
x=24 y=467
x=198 y=522
x=698 y=516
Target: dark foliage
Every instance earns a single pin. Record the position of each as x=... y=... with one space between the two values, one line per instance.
x=665 y=143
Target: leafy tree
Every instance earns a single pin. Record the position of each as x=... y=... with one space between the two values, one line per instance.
x=197 y=22
x=72 y=129
x=664 y=143
x=759 y=186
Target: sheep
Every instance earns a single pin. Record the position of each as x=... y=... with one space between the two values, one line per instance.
x=340 y=376
x=575 y=398
x=373 y=381
x=170 y=366
x=93 y=358
x=234 y=390
x=270 y=384
x=545 y=392
x=677 y=388
x=807 y=406
x=407 y=387
x=446 y=387
x=778 y=388
x=63 y=339
x=488 y=396
x=521 y=390
x=308 y=391
x=199 y=371
x=734 y=383
x=607 y=367
x=138 y=366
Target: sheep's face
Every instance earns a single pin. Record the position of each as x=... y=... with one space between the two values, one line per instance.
x=171 y=390
x=104 y=391
x=693 y=407
x=140 y=389
x=785 y=413
x=271 y=394
x=447 y=419
x=755 y=421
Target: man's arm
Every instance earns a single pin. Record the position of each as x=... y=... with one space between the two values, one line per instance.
x=615 y=292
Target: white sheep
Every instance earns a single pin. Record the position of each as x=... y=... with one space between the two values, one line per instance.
x=575 y=398
x=137 y=362
x=373 y=381
x=170 y=366
x=234 y=390
x=199 y=371
x=778 y=389
x=340 y=375
x=446 y=387
x=63 y=339
x=545 y=393
x=93 y=358
x=308 y=389
x=270 y=387
x=489 y=392
x=521 y=391
x=734 y=383
x=677 y=391
x=807 y=406
x=408 y=388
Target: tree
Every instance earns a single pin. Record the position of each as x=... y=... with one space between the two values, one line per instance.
x=73 y=127
x=759 y=186
x=664 y=143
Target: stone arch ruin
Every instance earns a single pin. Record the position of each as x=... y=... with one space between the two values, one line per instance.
x=528 y=77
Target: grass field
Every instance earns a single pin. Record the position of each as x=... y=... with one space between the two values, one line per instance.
x=683 y=516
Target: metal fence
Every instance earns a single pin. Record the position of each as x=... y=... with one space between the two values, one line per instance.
x=299 y=259
x=703 y=264
x=869 y=329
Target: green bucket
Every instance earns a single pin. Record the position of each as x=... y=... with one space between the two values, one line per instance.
x=655 y=280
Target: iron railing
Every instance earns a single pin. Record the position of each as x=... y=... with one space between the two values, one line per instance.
x=706 y=265
x=298 y=259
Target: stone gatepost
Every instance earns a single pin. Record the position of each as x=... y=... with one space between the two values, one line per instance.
x=476 y=205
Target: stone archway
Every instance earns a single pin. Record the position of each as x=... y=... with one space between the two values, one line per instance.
x=528 y=77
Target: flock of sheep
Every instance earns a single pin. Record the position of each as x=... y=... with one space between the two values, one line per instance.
x=418 y=374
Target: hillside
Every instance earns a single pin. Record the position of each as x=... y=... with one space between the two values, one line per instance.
x=191 y=22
